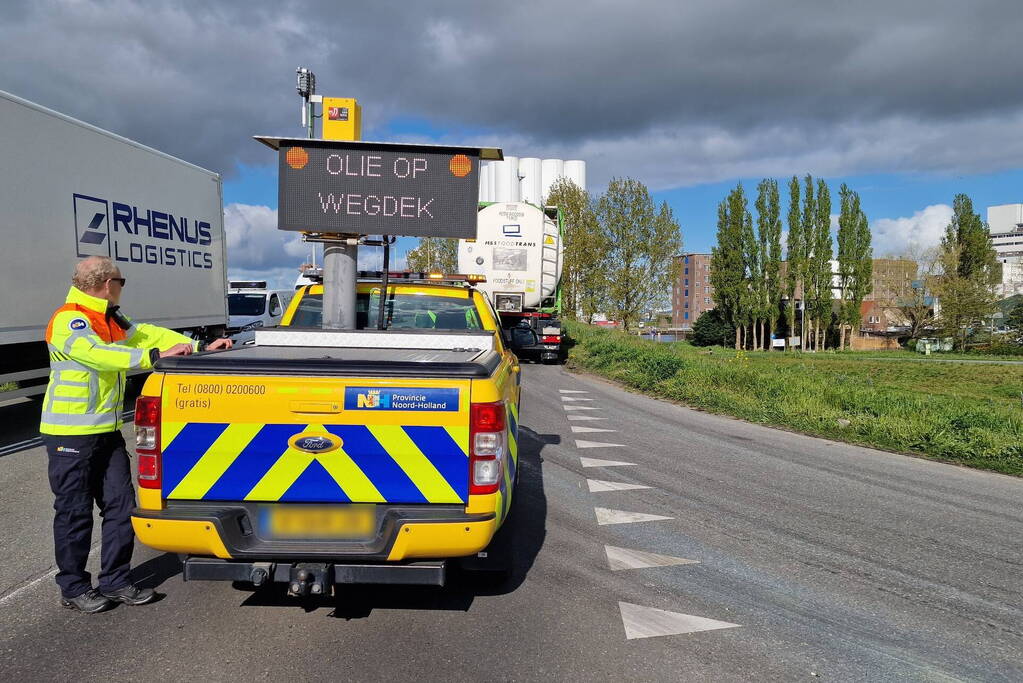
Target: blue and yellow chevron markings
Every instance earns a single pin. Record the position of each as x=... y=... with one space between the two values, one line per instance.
x=376 y=464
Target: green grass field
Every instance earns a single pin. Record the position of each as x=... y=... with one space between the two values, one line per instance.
x=968 y=413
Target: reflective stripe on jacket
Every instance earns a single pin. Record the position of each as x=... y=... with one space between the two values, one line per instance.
x=89 y=354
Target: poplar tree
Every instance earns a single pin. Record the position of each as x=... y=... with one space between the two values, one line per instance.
x=769 y=234
x=795 y=258
x=809 y=266
x=751 y=290
x=822 y=254
x=727 y=264
x=855 y=261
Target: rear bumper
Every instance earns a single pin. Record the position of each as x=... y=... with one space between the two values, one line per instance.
x=429 y=573
x=229 y=531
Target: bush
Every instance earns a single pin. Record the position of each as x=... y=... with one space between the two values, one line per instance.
x=711 y=329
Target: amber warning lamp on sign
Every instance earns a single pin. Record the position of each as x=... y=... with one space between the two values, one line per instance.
x=377 y=188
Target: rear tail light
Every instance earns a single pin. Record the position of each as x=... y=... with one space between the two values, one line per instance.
x=487 y=443
x=147 y=441
x=552 y=339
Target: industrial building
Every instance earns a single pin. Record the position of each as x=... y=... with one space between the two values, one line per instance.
x=1005 y=223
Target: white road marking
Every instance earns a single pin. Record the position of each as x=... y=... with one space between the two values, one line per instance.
x=48 y=575
x=624 y=558
x=577 y=429
x=572 y=391
x=572 y=407
x=647 y=622
x=599 y=486
x=595 y=462
x=607 y=516
x=580 y=418
x=574 y=398
x=596 y=444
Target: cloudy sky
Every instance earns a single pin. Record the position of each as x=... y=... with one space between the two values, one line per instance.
x=908 y=102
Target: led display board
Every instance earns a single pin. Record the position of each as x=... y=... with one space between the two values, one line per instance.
x=369 y=188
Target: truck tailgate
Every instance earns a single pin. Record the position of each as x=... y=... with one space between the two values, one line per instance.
x=315 y=439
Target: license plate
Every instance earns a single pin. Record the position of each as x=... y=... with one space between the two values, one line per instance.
x=312 y=521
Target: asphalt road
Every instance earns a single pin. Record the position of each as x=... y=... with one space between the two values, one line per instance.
x=783 y=557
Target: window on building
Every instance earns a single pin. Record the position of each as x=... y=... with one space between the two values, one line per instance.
x=687 y=282
x=687 y=292
x=687 y=271
x=706 y=301
x=686 y=315
x=685 y=259
x=686 y=305
x=706 y=290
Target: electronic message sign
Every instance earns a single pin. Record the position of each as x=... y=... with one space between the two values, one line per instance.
x=362 y=188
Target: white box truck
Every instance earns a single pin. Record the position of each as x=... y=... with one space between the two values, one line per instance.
x=70 y=190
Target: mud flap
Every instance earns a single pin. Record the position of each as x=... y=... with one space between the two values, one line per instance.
x=495 y=563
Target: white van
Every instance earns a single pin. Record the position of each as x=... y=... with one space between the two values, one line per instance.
x=251 y=305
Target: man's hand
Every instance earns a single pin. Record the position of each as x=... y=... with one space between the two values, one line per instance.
x=177 y=350
x=220 y=344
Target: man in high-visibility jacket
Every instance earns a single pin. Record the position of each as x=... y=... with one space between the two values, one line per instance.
x=91 y=345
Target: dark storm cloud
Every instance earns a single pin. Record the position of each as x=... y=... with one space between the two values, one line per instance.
x=683 y=92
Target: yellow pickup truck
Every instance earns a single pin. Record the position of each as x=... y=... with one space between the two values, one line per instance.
x=318 y=457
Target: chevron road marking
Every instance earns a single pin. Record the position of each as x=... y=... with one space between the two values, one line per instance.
x=606 y=516
x=596 y=462
x=599 y=486
x=596 y=444
x=648 y=622
x=625 y=558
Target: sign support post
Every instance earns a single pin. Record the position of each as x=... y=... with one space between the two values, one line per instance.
x=340 y=259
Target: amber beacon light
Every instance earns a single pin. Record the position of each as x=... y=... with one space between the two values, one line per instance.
x=460 y=165
x=297 y=158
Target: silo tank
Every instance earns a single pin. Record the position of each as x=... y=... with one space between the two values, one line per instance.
x=484 y=172
x=531 y=189
x=550 y=171
x=492 y=182
x=575 y=170
x=507 y=180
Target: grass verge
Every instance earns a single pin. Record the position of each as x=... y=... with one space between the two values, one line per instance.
x=969 y=414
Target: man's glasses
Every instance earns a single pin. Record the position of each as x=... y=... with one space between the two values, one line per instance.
x=118 y=280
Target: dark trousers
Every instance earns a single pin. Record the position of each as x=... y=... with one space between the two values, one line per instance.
x=85 y=470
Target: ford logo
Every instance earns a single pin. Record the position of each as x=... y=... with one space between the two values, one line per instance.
x=315 y=443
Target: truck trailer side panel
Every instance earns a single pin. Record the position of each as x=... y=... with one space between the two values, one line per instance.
x=70 y=190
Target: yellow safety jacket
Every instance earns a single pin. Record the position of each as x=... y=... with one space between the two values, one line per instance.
x=89 y=354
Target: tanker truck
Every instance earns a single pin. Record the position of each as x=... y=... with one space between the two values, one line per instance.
x=519 y=249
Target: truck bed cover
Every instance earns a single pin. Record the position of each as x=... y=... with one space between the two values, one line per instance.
x=344 y=362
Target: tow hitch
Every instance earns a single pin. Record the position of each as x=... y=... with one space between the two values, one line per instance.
x=311 y=579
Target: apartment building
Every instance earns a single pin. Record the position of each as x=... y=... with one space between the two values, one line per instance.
x=691 y=293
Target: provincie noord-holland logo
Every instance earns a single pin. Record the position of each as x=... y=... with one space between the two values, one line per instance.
x=92 y=226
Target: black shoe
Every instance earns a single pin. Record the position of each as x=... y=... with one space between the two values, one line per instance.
x=90 y=602
x=131 y=595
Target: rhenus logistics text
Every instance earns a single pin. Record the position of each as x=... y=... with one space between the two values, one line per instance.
x=160 y=225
